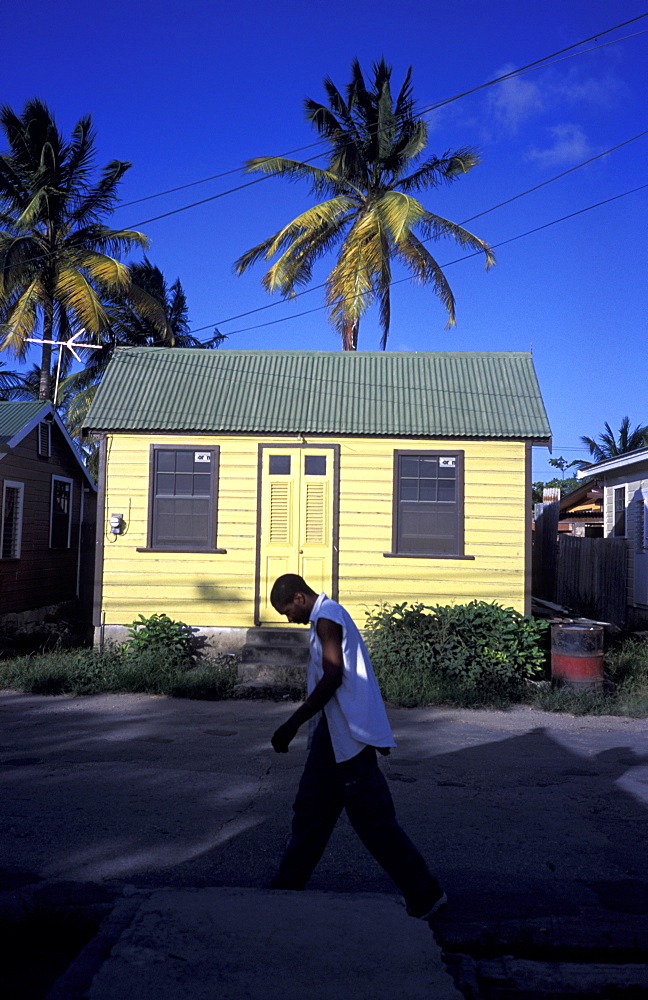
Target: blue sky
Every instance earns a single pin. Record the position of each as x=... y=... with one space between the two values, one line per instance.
x=188 y=91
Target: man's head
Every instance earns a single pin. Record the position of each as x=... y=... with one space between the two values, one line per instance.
x=291 y=596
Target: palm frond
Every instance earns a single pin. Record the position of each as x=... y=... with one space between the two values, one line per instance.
x=76 y=405
x=399 y=213
x=609 y=445
x=382 y=284
x=151 y=310
x=13 y=191
x=434 y=226
x=437 y=170
x=10 y=382
x=320 y=218
x=358 y=97
x=101 y=198
x=76 y=295
x=105 y=240
x=295 y=170
x=27 y=388
x=20 y=319
x=428 y=272
x=104 y=270
x=19 y=263
x=349 y=286
x=295 y=266
x=80 y=158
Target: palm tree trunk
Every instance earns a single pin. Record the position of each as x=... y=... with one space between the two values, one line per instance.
x=44 y=391
x=350 y=335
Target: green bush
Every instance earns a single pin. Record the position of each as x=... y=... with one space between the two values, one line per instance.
x=159 y=632
x=465 y=654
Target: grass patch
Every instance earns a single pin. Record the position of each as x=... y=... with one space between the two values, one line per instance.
x=626 y=693
x=119 y=670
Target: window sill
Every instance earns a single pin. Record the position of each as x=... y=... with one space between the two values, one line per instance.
x=202 y=552
x=426 y=555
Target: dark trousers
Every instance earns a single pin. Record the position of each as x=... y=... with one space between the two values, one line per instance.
x=357 y=785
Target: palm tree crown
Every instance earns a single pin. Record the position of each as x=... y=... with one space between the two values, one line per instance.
x=374 y=164
x=58 y=260
x=149 y=313
x=608 y=445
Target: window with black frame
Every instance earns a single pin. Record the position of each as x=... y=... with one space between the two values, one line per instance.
x=619 y=527
x=12 y=518
x=428 y=500
x=183 y=498
x=60 y=513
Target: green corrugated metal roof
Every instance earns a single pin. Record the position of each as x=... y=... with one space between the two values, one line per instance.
x=15 y=414
x=489 y=394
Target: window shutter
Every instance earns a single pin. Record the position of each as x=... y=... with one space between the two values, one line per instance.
x=280 y=512
x=12 y=521
x=315 y=513
x=44 y=439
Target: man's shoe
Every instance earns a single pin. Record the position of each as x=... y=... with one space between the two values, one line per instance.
x=441 y=901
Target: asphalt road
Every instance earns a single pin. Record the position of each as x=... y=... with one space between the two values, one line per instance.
x=155 y=791
x=524 y=816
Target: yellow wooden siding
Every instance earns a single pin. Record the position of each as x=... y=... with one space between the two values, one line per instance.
x=218 y=589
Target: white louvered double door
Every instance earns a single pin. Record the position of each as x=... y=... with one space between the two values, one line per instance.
x=296 y=520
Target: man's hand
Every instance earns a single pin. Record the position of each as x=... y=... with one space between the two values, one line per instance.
x=283 y=736
x=330 y=635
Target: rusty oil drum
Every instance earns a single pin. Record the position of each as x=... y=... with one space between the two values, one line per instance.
x=577 y=656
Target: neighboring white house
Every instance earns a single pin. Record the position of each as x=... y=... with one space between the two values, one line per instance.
x=625 y=515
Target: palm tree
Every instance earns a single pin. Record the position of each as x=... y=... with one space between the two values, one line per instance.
x=374 y=163
x=149 y=313
x=57 y=259
x=10 y=382
x=609 y=446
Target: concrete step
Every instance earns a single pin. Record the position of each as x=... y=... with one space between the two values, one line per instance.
x=274 y=659
x=277 y=637
x=278 y=655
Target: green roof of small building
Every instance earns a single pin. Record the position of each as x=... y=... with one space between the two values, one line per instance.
x=360 y=393
x=15 y=414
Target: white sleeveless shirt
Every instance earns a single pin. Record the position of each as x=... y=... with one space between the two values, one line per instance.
x=355 y=714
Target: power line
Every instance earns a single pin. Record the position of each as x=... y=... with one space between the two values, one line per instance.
x=524 y=69
x=273 y=305
x=537 y=64
x=457 y=260
x=433 y=107
x=307 y=291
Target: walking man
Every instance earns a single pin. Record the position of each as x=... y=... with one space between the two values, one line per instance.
x=341 y=771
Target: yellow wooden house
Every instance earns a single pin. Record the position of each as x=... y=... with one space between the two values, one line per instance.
x=378 y=476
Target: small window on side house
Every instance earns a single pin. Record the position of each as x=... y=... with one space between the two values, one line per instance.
x=45 y=439
x=428 y=503
x=183 y=498
x=12 y=518
x=619 y=525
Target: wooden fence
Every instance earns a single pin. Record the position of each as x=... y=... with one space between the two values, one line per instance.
x=587 y=575
x=592 y=576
